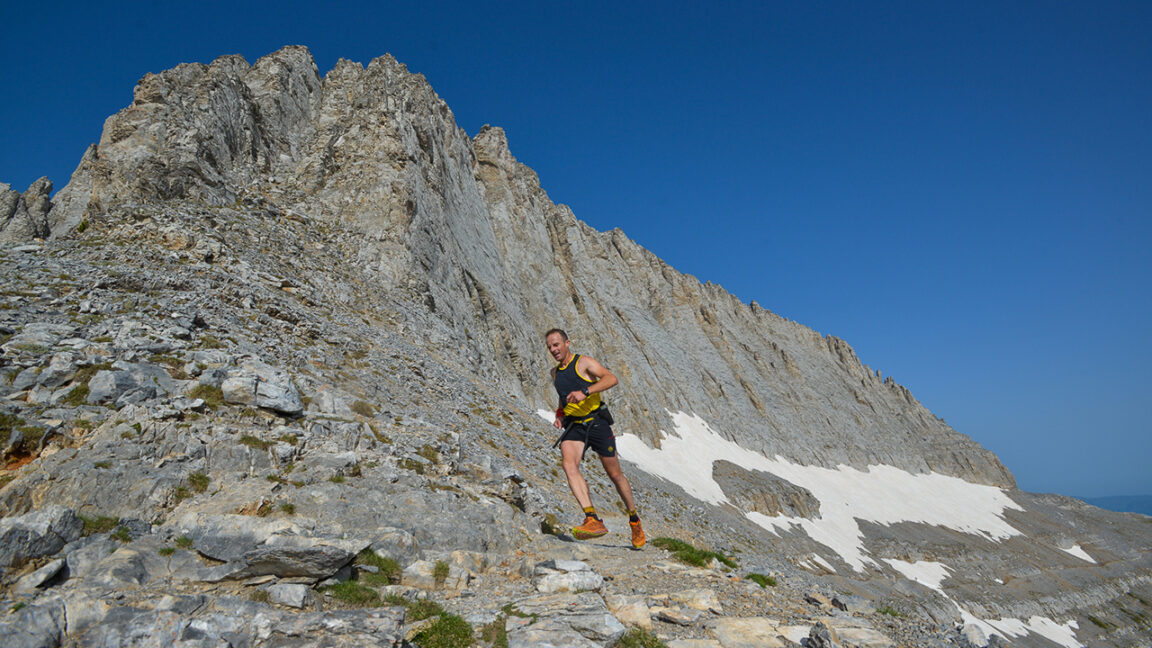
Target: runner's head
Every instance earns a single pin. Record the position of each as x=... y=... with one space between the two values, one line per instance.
x=557 y=343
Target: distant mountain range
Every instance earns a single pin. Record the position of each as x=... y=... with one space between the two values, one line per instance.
x=1123 y=503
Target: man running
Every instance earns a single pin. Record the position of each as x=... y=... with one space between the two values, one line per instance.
x=579 y=381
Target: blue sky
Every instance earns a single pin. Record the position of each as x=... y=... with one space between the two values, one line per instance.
x=962 y=191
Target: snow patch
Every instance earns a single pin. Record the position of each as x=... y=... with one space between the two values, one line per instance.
x=1078 y=551
x=927 y=573
x=932 y=574
x=881 y=494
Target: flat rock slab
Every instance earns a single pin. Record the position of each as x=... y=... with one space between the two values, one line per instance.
x=563 y=620
x=749 y=632
x=317 y=562
x=233 y=621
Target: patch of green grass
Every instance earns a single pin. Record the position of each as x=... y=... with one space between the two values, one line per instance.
x=77 y=396
x=495 y=633
x=99 y=524
x=184 y=542
x=121 y=534
x=389 y=569
x=889 y=610
x=429 y=453
x=213 y=397
x=260 y=596
x=85 y=374
x=353 y=594
x=288 y=508
x=253 y=442
x=640 y=638
x=102 y=464
x=412 y=464
x=34 y=349
x=18 y=607
x=290 y=439
x=336 y=479
x=447 y=631
x=510 y=610
x=166 y=551
x=181 y=493
x=210 y=342
x=363 y=408
x=690 y=555
x=380 y=436
x=440 y=572
x=199 y=481
x=6 y=479
x=103 y=339
x=761 y=579
x=416 y=610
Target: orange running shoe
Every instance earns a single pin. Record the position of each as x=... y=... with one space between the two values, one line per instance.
x=638 y=539
x=592 y=528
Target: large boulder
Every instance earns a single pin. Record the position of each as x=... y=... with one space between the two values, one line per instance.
x=40 y=533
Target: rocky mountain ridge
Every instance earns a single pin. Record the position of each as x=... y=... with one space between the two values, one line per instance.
x=276 y=310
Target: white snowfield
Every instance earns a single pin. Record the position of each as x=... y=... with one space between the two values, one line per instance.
x=881 y=494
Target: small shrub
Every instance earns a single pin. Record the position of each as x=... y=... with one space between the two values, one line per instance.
x=640 y=638
x=363 y=409
x=82 y=226
x=184 y=542
x=288 y=508
x=440 y=572
x=336 y=479
x=199 y=481
x=354 y=594
x=121 y=534
x=166 y=551
x=690 y=555
x=448 y=631
x=761 y=580
x=99 y=524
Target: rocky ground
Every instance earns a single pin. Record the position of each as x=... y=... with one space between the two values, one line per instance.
x=227 y=442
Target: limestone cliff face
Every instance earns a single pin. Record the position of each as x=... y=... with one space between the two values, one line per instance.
x=458 y=225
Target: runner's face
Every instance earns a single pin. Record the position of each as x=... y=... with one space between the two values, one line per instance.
x=557 y=346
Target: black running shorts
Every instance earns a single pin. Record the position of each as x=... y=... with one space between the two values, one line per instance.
x=596 y=434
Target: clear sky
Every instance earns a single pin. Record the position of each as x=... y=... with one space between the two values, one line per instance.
x=962 y=191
